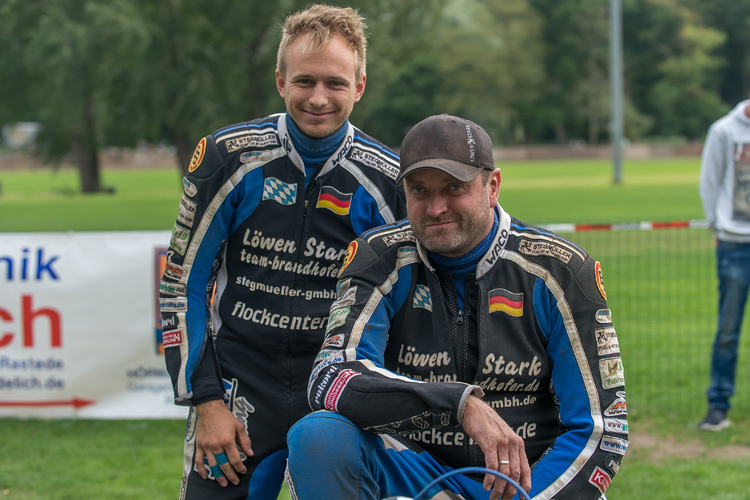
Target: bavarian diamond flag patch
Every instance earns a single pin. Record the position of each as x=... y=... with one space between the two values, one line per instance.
x=422 y=298
x=280 y=192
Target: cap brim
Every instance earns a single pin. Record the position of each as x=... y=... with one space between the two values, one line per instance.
x=461 y=171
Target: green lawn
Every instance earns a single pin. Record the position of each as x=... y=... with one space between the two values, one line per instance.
x=660 y=283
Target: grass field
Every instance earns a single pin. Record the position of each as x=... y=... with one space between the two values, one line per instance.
x=661 y=289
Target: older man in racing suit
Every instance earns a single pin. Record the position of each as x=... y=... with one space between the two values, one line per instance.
x=462 y=302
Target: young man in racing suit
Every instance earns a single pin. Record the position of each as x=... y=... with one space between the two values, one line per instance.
x=268 y=209
x=462 y=337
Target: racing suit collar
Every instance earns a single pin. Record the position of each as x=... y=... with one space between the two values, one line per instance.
x=499 y=240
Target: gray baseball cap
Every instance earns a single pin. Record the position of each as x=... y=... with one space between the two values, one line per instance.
x=457 y=146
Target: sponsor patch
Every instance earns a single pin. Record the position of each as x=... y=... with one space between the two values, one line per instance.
x=251 y=141
x=334 y=200
x=252 y=156
x=179 y=240
x=406 y=252
x=398 y=237
x=322 y=385
x=323 y=364
x=422 y=298
x=374 y=161
x=171 y=338
x=351 y=251
x=279 y=191
x=612 y=372
x=603 y=316
x=613 y=464
x=600 y=479
x=546 y=248
x=327 y=354
x=189 y=188
x=169 y=288
x=619 y=407
x=614 y=444
x=197 y=159
x=334 y=341
x=173 y=304
x=337 y=387
x=342 y=286
x=600 y=279
x=346 y=298
x=606 y=341
x=616 y=425
x=186 y=216
x=506 y=301
x=173 y=270
x=337 y=318
x=169 y=321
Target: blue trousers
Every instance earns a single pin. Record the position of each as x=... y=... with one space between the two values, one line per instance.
x=733 y=267
x=330 y=457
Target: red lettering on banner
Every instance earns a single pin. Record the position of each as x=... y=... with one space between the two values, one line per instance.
x=28 y=317
x=6 y=337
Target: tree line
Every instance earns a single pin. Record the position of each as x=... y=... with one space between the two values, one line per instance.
x=98 y=73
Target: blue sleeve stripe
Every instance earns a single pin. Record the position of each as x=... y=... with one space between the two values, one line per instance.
x=377 y=146
x=223 y=131
x=367 y=234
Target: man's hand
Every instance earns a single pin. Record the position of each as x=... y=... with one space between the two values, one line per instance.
x=503 y=449
x=218 y=434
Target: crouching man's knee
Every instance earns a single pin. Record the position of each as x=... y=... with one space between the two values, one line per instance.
x=327 y=452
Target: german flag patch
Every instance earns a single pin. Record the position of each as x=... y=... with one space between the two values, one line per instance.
x=334 y=200
x=505 y=301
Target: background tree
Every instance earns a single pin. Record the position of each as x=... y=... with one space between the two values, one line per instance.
x=492 y=64
x=98 y=73
x=402 y=63
x=72 y=54
x=210 y=64
x=574 y=100
x=732 y=18
x=672 y=71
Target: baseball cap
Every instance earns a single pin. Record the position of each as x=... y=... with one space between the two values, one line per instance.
x=457 y=146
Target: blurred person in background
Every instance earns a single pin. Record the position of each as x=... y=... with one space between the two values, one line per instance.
x=268 y=209
x=725 y=194
x=462 y=337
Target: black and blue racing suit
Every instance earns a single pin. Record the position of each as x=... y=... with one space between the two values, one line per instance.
x=250 y=275
x=534 y=336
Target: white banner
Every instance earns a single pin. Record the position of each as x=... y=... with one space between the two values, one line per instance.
x=80 y=331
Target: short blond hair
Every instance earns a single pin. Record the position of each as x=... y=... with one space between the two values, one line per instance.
x=321 y=22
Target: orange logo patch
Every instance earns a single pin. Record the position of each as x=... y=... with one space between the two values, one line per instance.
x=600 y=280
x=351 y=251
x=200 y=150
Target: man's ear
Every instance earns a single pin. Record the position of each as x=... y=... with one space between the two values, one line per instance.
x=280 y=83
x=359 y=89
x=495 y=180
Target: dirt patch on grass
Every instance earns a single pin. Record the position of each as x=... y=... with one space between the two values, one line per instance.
x=659 y=448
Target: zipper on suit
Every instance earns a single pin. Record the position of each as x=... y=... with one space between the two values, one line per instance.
x=459 y=343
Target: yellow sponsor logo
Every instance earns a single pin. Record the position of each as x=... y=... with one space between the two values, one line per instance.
x=197 y=158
